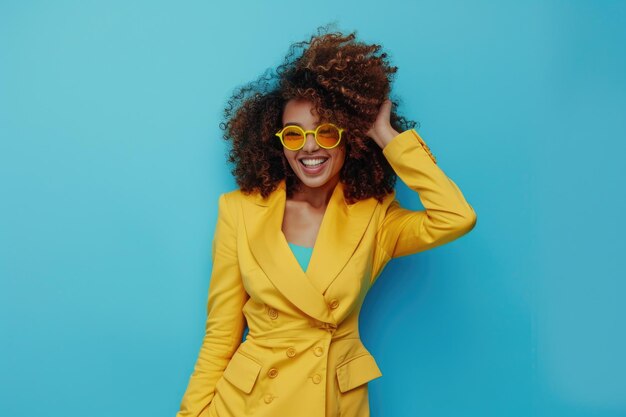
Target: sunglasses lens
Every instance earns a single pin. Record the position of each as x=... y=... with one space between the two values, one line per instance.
x=293 y=137
x=328 y=135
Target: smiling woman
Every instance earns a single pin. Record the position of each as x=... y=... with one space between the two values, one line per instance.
x=316 y=159
x=316 y=167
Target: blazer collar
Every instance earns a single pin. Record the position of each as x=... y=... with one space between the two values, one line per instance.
x=341 y=230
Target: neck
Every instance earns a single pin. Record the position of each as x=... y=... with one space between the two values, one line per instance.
x=316 y=196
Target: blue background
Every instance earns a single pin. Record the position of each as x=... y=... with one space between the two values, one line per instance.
x=111 y=163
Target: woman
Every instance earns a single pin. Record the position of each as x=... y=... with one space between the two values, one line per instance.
x=317 y=149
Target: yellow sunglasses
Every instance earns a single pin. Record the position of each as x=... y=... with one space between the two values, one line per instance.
x=327 y=135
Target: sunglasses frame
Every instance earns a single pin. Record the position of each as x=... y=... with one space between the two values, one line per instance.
x=306 y=132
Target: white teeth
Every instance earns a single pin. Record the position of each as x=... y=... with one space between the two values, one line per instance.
x=313 y=162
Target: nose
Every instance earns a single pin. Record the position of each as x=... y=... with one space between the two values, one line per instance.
x=310 y=144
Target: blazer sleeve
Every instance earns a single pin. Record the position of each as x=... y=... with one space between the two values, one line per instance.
x=447 y=215
x=225 y=320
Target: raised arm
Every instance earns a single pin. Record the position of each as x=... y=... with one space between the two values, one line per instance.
x=225 y=321
x=447 y=215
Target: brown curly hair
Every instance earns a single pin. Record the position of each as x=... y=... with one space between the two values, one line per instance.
x=347 y=82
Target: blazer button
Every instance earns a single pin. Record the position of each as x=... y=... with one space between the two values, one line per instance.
x=319 y=351
x=272 y=313
x=334 y=303
x=268 y=398
x=291 y=352
x=317 y=379
x=272 y=373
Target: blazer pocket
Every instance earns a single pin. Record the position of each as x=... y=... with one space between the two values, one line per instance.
x=242 y=371
x=357 y=371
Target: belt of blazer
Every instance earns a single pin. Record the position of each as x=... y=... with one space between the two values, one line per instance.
x=303 y=356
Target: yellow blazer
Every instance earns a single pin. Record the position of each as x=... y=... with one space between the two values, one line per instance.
x=303 y=356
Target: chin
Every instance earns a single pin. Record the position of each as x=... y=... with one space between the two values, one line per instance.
x=313 y=182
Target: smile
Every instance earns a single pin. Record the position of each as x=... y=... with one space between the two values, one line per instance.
x=313 y=166
x=313 y=162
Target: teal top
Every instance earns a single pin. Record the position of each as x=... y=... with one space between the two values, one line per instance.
x=302 y=254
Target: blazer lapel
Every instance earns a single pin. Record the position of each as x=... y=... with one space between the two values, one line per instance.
x=341 y=230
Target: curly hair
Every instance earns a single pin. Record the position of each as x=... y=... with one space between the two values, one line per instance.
x=347 y=81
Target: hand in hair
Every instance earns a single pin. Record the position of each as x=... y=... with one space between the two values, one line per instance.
x=381 y=131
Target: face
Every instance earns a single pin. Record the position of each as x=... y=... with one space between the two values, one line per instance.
x=299 y=112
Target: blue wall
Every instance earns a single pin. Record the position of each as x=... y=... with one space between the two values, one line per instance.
x=111 y=162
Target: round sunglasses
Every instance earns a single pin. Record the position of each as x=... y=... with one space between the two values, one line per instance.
x=327 y=135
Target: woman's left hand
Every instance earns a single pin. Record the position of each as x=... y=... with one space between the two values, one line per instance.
x=381 y=131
